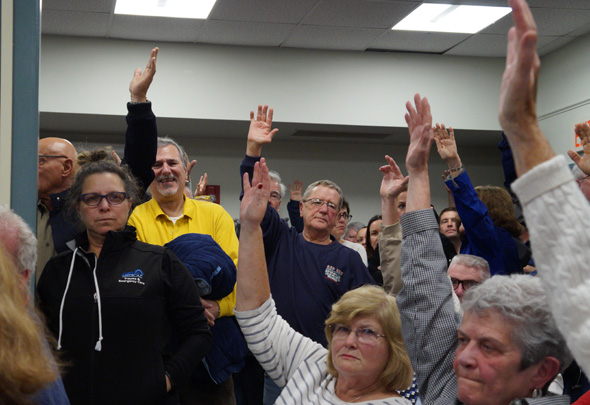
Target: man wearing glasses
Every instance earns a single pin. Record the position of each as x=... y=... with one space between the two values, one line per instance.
x=308 y=271
x=467 y=271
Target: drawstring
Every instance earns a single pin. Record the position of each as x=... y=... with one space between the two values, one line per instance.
x=63 y=300
x=98 y=346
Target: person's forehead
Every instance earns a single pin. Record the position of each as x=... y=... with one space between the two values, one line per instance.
x=449 y=214
x=487 y=325
x=462 y=272
x=168 y=152
x=275 y=186
x=325 y=193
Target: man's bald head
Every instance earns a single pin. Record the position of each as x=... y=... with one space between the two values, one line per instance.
x=57 y=166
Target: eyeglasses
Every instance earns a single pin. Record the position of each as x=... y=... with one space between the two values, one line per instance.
x=466 y=284
x=363 y=335
x=43 y=158
x=317 y=203
x=275 y=196
x=94 y=199
x=345 y=216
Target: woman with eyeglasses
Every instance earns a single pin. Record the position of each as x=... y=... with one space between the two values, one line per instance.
x=113 y=302
x=366 y=359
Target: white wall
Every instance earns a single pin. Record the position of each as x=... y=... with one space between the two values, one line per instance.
x=91 y=76
x=564 y=93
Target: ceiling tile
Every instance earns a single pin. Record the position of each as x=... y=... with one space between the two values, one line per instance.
x=415 y=41
x=554 y=45
x=312 y=36
x=488 y=46
x=74 y=23
x=275 y=11
x=155 y=28
x=95 y=6
x=359 y=13
x=244 y=33
x=552 y=22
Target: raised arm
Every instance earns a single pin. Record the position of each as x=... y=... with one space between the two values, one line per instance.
x=142 y=131
x=252 y=278
x=447 y=148
x=390 y=238
x=429 y=326
x=296 y=195
x=556 y=212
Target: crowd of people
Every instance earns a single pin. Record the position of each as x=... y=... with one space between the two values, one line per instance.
x=141 y=299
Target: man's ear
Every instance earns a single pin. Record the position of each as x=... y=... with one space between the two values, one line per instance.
x=546 y=371
x=24 y=279
x=68 y=168
x=301 y=208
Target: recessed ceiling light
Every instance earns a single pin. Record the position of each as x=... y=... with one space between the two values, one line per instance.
x=166 y=8
x=451 y=18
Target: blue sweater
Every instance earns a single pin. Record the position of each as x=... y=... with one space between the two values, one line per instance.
x=482 y=238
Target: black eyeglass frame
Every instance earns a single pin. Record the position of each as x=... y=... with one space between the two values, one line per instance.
x=104 y=196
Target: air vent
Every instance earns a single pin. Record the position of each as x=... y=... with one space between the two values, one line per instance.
x=340 y=135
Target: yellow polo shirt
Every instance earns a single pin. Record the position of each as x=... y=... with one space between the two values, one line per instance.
x=153 y=226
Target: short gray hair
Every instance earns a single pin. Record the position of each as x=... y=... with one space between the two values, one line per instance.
x=26 y=254
x=354 y=225
x=324 y=183
x=275 y=176
x=165 y=141
x=521 y=301
x=475 y=262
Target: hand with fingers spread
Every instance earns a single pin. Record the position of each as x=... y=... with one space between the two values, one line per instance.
x=255 y=199
x=447 y=148
x=419 y=120
x=393 y=181
x=260 y=131
x=296 y=191
x=141 y=81
x=583 y=162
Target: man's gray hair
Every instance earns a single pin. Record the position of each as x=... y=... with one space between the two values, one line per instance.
x=275 y=176
x=475 y=262
x=165 y=141
x=521 y=301
x=324 y=183
x=26 y=242
x=354 y=225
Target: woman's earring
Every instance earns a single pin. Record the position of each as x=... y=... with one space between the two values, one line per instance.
x=537 y=393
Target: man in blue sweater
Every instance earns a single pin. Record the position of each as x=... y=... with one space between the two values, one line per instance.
x=308 y=271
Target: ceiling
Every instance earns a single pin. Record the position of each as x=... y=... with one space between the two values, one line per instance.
x=352 y=25
x=349 y=25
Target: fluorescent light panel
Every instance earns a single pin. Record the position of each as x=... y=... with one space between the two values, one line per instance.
x=166 y=8
x=451 y=18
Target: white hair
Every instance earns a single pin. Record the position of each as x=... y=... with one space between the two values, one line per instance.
x=275 y=176
x=26 y=242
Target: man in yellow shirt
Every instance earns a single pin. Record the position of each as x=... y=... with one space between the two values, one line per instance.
x=170 y=214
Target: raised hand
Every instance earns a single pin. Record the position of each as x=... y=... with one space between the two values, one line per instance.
x=201 y=186
x=140 y=83
x=296 y=191
x=260 y=131
x=255 y=199
x=393 y=180
x=445 y=142
x=419 y=121
x=583 y=162
x=518 y=97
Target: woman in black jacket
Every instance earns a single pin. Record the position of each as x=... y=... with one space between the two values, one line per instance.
x=112 y=302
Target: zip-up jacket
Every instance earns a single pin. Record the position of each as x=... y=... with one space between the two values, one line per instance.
x=113 y=318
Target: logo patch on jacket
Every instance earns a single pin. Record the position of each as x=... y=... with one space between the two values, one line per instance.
x=334 y=274
x=132 y=277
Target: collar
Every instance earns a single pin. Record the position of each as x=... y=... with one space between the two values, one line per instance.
x=188 y=209
x=115 y=240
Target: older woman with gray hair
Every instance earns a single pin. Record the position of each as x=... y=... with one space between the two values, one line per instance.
x=506 y=349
